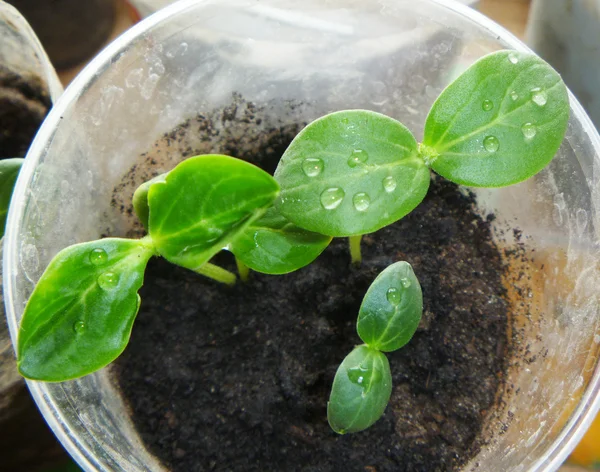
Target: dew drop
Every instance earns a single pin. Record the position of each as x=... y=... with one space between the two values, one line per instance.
x=357 y=157
x=514 y=96
x=79 y=327
x=98 y=256
x=332 y=198
x=405 y=282
x=491 y=144
x=345 y=121
x=389 y=184
x=361 y=201
x=108 y=280
x=312 y=166
x=393 y=296
x=513 y=58
x=360 y=376
x=529 y=131
x=487 y=105
x=539 y=97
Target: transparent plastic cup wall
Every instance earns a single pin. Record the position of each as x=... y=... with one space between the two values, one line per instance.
x=391 y=56
x=22 y=54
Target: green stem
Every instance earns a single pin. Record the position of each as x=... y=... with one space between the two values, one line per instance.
x=243 y=270
x=216 y=273
x=355 y=254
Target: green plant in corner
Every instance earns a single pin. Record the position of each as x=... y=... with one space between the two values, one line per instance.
x=9 y=171
x=346 y=174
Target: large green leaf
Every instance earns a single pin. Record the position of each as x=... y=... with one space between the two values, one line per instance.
x=274 y=245
x=79 y=316
x=203 y=204
x=499 y=123
x=361 y=390
x=391 y=309
x=351 y=173
x=9 y=171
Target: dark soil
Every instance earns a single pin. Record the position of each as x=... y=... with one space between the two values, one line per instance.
x=238 y=378
x=24 y=103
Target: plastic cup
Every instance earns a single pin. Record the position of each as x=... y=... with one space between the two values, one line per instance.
x=391 y=56
x=21 y=54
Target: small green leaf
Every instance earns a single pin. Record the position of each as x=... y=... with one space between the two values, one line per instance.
x=391 y=309
x=9 y=171
x=499 y=123
x=140 y=199
x=351 y=173
x=79 y=316
x=203 y=204
x=361 y=390
x=274 y=245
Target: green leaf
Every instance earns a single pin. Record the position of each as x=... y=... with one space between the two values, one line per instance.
x=79 y=316
x=274 y=245
x=203 y=204
x=391 y=309
x=9 y=171
x=351 y=173
x=361 y=390
x=140 y=199
x=499 y=123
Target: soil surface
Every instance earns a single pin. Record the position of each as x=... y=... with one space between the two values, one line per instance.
x=24 y=104
x=238 y=379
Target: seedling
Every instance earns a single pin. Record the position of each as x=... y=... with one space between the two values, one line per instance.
x=79 y=316
x=388 y=318
x=346 y=174
x=354 y=172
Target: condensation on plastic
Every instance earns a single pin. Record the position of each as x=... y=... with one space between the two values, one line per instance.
x=565 y=33
x=21 y=53
x=391 y=56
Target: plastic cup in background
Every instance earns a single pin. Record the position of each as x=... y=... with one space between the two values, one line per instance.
x=28 y=87
x=391 y=56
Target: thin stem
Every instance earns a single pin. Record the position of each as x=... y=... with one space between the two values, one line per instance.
x=216 y=273
x=243 y=270
x=355 y=254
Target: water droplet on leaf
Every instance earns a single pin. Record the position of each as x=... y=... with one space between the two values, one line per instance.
x=357 y=157
x=345 y=121
x=514 y=96
x=332 y=198
x=79 y=326
x=491 y=144
x=98 y=256
x=312 y=166
x=361 y=201
x=529 y=130
x=513 y=58
x=389 y=184
x=108 y=280
x=487 y=105
x=360 y=375
x=539 y=96
x=393 y=296
x=405 y=282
